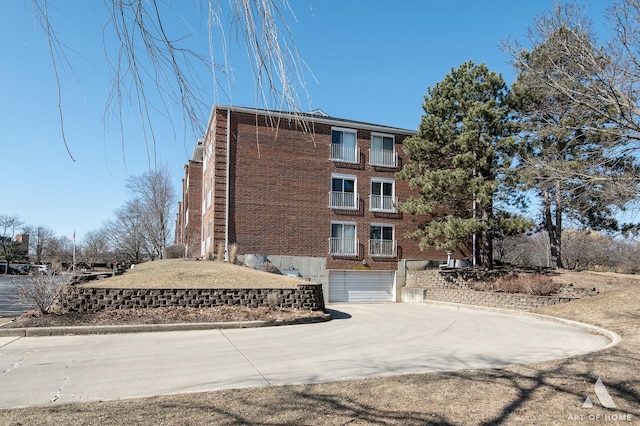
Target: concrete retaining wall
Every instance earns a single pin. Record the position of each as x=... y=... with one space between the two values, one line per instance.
x=312 y=268
x=91 y=300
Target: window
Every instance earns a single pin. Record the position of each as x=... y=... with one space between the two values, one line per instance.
x=382 y=196
x=343 y=240
x=382 y=151
x=381 y=242
x=343 y=192
x=344 y=146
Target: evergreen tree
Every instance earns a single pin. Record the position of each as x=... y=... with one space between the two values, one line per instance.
x=457 y=162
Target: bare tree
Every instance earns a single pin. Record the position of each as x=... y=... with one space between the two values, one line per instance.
x=95 y=246
x=584 y=249
x=125 y=236
x=42 y=241
x=62 y=251
x=155 y=199
x=154 y=68
x=526 y=250
x=626 y=253
x=9 y=248
x=609 y=81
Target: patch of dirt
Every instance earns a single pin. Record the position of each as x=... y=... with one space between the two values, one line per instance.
x=165 y=315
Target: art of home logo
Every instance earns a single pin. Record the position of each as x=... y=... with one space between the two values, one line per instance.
x=603 y=396
x=605 y=399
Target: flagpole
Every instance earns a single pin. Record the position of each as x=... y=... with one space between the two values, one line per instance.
x=73 y=267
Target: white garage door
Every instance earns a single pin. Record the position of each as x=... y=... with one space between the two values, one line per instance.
x=361 y=286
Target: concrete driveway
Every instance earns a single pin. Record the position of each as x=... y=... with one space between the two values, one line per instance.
x=365 y=340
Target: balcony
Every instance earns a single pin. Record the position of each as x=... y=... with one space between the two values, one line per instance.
x=345 y=153
x=343 y=247
x=343 y=200
x=382 y=203
x=383 y=158
x=383 y=248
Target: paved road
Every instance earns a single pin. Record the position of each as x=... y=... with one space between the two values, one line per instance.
x=9 y=306
x=366 y=340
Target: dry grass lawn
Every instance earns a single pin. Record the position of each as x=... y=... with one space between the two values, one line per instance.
x=179 y=273
x=545 y=393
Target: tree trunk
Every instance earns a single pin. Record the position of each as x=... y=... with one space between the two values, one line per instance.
x=487 y=242
x=558 y=227
x=553 y=228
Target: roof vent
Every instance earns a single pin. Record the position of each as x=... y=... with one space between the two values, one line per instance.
x=319 y=113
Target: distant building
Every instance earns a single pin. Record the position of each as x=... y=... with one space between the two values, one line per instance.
x=23 y=240
x=188 y=230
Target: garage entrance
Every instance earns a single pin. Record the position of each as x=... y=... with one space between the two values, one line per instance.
x=361 y=286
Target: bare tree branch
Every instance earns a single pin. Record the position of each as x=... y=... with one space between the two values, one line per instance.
x=154 y=70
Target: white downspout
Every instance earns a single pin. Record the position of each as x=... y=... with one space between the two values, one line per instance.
x=227 y=184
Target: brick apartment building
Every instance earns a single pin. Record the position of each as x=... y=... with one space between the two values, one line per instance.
x=313 y=193
x=188 y=230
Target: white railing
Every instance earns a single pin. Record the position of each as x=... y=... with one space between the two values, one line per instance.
x=343 y=200
x=382 y=203
x=343 y=246
x=383 y=157
x=383 y=248
x=347 y=154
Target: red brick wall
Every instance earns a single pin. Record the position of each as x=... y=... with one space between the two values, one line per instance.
x=193 y=209
x=189 y=218
x=280 y=183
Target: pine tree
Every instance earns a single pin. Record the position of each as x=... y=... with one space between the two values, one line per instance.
x=571 y=153
x=457 y=160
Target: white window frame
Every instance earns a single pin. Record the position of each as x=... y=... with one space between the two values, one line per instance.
x=380 y=202
x=383 y=158
x=338 y=200
x=337 y=150
x=210 y=191
x=340 y=246
x=381 y=247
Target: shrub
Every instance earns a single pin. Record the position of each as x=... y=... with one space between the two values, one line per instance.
x=482 y=285
x=272 y=300
x=39 y=289
x=175 y=251
x=233 y=253
x=535 y=284
x=510 y=284
x=220 y=252
x=541 y=285
x=270 y=267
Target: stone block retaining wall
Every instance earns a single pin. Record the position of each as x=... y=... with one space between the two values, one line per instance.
x=434 y=278
x=91 y=299
x=525 y=302
x=453 y=287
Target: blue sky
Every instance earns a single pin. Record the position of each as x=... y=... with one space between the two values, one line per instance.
x=371 y=61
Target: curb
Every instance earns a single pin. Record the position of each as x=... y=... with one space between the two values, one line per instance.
x=150 y=328
x=614 y=337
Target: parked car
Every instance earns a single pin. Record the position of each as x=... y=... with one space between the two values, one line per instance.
x=12 y=270
x=23 y=269
x=43 y=269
